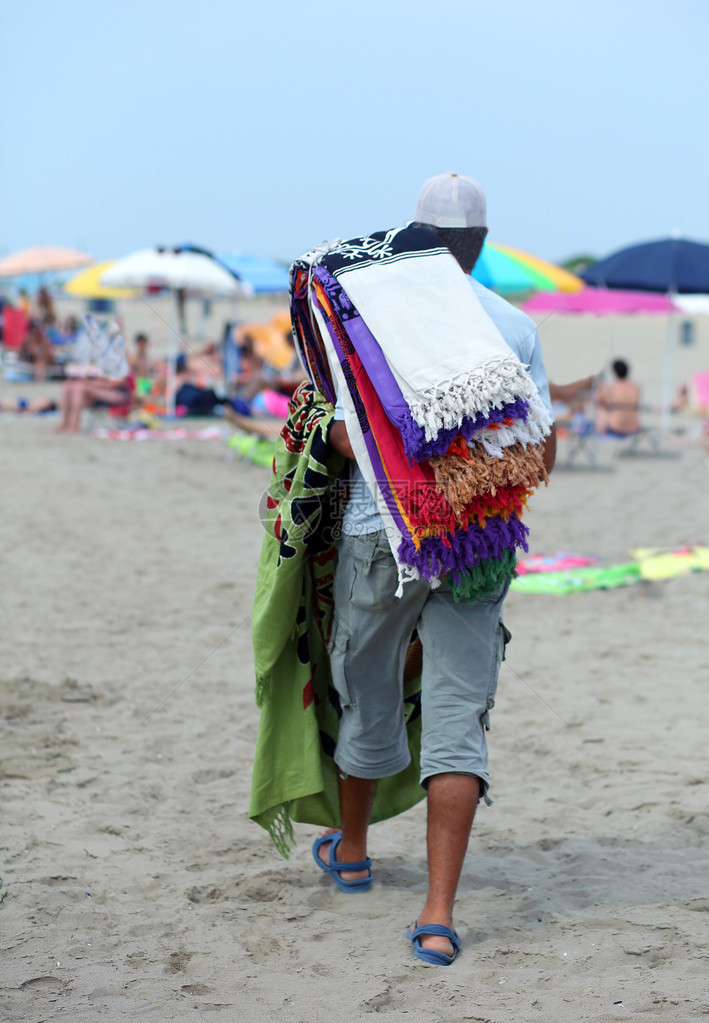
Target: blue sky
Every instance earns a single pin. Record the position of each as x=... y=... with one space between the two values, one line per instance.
x=269 y=126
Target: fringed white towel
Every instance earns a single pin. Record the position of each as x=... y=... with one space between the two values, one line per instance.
x=447 y=356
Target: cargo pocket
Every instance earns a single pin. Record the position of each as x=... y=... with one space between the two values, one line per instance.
x=503 y=637
x=338 y=649
x=374 y=580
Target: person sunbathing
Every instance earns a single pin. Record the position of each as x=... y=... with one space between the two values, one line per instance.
x=36 y=407
x=617 y=404
x=266 y=426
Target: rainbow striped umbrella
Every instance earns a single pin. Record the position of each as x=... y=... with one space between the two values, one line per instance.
x=512 y=271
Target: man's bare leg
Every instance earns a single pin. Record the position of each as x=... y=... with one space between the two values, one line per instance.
x=356 y=800
x=452 y=801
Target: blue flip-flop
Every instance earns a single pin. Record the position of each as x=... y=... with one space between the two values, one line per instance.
x=333 y=868
x=430 y=955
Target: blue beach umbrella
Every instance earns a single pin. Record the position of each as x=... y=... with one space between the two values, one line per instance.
x=258 y=273
x=263 y=274
x=673 y=266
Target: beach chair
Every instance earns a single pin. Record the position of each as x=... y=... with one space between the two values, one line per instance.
x=578 y=433
x=645 y=441
x=584 y=443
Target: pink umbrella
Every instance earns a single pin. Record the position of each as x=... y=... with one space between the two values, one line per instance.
x=598 y=302
x=42 y=259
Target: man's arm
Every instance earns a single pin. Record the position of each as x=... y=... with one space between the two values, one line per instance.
x=339 y=439
x=549 y=450
x=568 y=392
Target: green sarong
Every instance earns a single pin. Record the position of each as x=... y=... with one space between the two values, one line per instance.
x=294 y=774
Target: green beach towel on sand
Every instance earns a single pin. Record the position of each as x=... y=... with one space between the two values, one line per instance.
x=294 y=775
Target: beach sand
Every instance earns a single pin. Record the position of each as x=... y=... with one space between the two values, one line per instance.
x=136 y=888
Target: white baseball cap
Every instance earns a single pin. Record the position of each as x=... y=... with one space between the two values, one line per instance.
x=451 y=200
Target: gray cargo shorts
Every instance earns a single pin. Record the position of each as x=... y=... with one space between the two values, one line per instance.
x=463 y=646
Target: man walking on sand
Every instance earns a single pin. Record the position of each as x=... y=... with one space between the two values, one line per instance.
x=463 y=643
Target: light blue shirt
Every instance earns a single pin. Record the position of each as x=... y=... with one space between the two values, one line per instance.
x=520 y=333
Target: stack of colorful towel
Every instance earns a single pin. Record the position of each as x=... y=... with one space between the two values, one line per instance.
x=444 y=421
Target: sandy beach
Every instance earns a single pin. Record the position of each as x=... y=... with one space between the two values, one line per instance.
x=134 y=886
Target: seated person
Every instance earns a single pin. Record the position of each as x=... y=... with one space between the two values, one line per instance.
x=208 y=362
x=79 y=393
x=70 y=329
x=36 y=348
x=101 y=374
x=192 y=395
x=292 y=375
x=141 y=365
x=693 y=396
x=45 y=307
x=617 y=404
x=252 y=370
x=261 y=388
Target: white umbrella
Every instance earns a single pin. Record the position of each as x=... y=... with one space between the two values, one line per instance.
x=182 y=272
x=179 y=271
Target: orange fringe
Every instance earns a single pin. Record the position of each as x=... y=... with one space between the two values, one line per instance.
x=461 y=480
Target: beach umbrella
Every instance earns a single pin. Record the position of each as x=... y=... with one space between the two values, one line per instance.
x=177 y=270
x=263 y=274
x=42 y=259
x=183 y=272
x=258 y=273
x=87 y=284
x=669 y=266
x=511 y=271
x=597 y=302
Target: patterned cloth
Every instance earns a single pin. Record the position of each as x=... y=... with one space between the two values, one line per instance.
x=100 y=346
x=443 y=419
x=294 y=775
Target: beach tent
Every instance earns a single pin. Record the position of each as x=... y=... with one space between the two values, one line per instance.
x=670 y=266
x=597 y=302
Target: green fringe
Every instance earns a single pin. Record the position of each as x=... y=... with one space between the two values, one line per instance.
x=280 y=828
x=484 y=578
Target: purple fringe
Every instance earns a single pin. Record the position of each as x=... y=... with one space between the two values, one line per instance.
x=468 y=548
x=418 y=449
